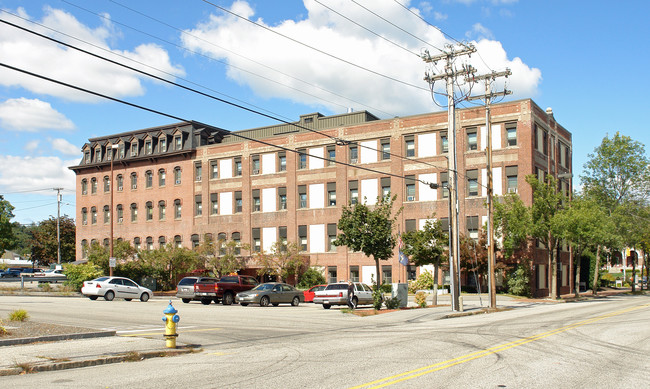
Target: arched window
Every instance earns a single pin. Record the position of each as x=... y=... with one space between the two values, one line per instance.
x=148 y=179
x=93 y=185
x=236 y=237
x=84 y=186
x=177 y=209
x=134 y=212
x=120 y=213
x=177 y=175
x=178 y=242
x=107 y=214
x=162 y=176
x=195 y=241
x=84 y=216
x=120 y=182
x=136 y=243
x=149 y=210
x=221 y=242
x=162 y=210
x=162 y=241
x=107 y=184
x=134 y=180
x=93 y=215
x=84 y=248
x=149 y=243
x=106 y=242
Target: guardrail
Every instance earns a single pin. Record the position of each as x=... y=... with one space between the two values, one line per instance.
x=23 y=279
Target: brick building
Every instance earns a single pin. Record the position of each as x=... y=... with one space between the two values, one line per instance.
x=178 y=183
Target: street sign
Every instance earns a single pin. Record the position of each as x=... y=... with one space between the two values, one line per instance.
x=111 y=262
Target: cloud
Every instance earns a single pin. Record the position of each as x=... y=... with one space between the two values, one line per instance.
x=32 y=115
x=25 y=51
x=439 y=16
x=65 y=147
x=31 y=173
x=479 y=32
x=32 y=145
x=330 y=33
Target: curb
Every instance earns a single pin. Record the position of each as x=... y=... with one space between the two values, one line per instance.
x=132 y=356
x=54 y=338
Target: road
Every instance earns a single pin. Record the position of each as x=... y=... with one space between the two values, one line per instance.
x=593 y=344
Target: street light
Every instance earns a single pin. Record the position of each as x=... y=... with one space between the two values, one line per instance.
x=111 y=187
x=452 y=260
x=571 y=276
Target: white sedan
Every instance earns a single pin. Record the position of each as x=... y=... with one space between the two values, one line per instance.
x=111 y=287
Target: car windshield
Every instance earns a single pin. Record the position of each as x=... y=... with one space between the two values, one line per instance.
x=264 y=287
x=100 y=279
x=187 y=281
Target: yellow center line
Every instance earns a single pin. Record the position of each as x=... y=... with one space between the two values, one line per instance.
x=380 y=383
x=162 y=332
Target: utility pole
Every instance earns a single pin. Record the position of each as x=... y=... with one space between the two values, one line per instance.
x=58 y=222
x=450 y=75
x=487 y=97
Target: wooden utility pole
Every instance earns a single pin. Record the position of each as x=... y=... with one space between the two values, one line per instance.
x=58 y=223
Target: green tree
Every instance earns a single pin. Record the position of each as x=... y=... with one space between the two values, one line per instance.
x=44 y=241
x=311 y=277
x=283 y=261
x=221 y=257
x=7 y=238
x=427 y=247
x=167 y=263
x=512 y=221
x=369 y=229
x=23 y=235
x=99 y=255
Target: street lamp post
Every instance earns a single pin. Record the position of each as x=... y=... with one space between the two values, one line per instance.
x=111 y=187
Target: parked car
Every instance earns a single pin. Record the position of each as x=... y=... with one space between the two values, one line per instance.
x=111 y=287
x=185 y=287
x=337 y=294
x=12 y=272
x=57 y=274
x=309 y=294
x=274 y=293
x=30 y=272
x=225 y=289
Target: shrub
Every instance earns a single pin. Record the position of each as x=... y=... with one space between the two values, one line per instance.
x=392 y=302
x=45 y=287
x=3 y=330
x=77 y=274
x=19 y=315
x=421 y=299
x=377 y=297
x=310 y=278
x=386 y=288
x=519 y=281
x=424 y=281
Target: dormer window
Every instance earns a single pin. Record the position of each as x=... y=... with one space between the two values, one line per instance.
x=134 y=149
x=121 y=150
x=87 y=156
x=147 y=147
x=109 y=152
x=178 y=144
x=98 y=154
x=162 y=144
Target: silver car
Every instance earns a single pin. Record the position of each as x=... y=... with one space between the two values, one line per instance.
x=274 y=293
x=185 y=288
x=337 y=294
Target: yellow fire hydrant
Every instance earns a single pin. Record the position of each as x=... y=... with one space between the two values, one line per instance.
x=170 y=319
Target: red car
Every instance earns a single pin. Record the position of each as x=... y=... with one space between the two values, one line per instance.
x=309 y=294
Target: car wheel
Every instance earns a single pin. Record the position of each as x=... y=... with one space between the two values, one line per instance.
x=144 y=297
x=128 y=299
x=326 y=306
x=206 y=301
x=109 y=296
x=295 y=302
x=264 y=301
x=186 y=301
x=93 y=297
x=355 y=301
x=228 y=298
x=243 y=304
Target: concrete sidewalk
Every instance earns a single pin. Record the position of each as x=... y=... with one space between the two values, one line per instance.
x=75 y=353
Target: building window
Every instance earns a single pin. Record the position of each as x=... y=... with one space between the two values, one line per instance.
x=444 y=184
x=109 y=152
x=107 y=214
x=221 y=243
x=238 y=202
x=162 y=210
x=282 y=161
x=134 y=181
x=302 y=196
x=385 y=187
x=178 y=241
x=178 y=142
x=149 y=243
x=541 y=276
x=302 y=237
x=214 y=203
x=387 y=274
x=331 y=194
x=121 y=150
x=149 y=211
x=472 y=141
x=385 y=148
x=472 y=182
x=134 y=212
x=331 y=237
x=472 y=227
x=177 y=209
x=107 y=184
x=354 y=154
x=354 y=191
x=162 y=144
x=236 y=237
x=255 y=164
x=84 y=216
x=162 y=176
x=302 y=159
x=237 y=167
x=354 y=273
x=331 y=274
x=409 y=144
x=511 y=136
x=410 y=188
x=331 y=155
x=214 y=169
x=98 y=155
x=87 y=156
x=545 y=142
x=198 y=171
x=93 y=185
x=511 y=179
x=195 y=240
x=162 y=241
x=257 y=205
x=177 y=175
x=282 y=198
x=120 y=214
x=148 y=179
x=198 y=205
x=147 y=147
x=136 y=243
x=84 y=186
x=282 y=233
x=134 y=149
x=257 y=241
x=444 y=144
x=120 y=183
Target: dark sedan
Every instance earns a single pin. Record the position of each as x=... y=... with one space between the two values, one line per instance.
x=274 y=293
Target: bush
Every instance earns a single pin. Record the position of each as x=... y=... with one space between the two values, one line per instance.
x=519 y=281
x=606 y=279
x=392 y=302
x=386 y=288
x=77 y=274
x=310 y=278
x=377 y=297
x=3 y=330
x=19 y=315
x=421 y=299
x=424 y=281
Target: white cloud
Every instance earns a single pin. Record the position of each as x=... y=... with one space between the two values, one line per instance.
x=29 y=52
x=332 y=34
x=65 y=147
x=30 y=173
x=479 y=31
x=439 y=16
x=32 y=145
x=32 y=115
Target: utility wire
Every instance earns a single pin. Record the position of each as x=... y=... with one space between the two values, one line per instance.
x=314 y=48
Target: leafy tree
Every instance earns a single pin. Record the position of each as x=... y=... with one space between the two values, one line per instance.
x=168 y=263
x=44 y=242
x=77 y=274
x=369 y=230
x=222 y=257
x=427 y=247
x=512 y=221
x=519 y=280
x=24 y=238
x=311 y=277
x=7 y=237
x=99 y=255
x=282 y=262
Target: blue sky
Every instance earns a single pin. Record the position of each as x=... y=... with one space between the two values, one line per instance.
x=583 y=59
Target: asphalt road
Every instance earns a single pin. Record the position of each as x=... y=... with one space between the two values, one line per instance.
x=594 y=344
